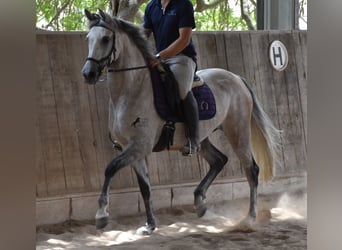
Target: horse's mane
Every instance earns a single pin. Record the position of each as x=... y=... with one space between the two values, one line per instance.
x=135 y=32
x=138 y=36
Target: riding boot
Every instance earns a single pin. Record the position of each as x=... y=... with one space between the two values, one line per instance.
x=190 y=111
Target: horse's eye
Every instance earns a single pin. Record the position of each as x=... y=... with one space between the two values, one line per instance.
x=105 y=39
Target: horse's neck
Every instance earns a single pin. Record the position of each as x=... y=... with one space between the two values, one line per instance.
x=131 y=85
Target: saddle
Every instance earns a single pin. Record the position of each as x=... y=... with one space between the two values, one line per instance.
x=168 y=102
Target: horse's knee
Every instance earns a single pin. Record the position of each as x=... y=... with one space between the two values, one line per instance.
x=224 y=160
x=220 y=162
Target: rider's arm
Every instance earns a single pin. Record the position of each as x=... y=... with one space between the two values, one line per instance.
x=178 y=45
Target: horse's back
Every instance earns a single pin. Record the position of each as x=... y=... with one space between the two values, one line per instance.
x=216 y=73
x=225 y=85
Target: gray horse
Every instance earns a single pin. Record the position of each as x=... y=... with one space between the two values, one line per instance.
x=123 y=48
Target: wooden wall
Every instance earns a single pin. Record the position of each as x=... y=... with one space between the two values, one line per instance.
x=71 y=129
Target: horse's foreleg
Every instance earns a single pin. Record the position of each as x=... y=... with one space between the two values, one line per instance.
x=126 y=158
x=145 y=189
x=216 y=160
x=102 y=215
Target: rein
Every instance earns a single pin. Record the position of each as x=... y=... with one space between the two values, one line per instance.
x=127 y=69
x=102 y=24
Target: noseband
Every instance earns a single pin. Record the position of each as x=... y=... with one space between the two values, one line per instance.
x=106 y=60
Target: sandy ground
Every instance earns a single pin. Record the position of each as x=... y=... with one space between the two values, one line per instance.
x=281 y=224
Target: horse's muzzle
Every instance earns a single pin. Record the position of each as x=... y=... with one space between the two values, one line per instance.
x=90 y=72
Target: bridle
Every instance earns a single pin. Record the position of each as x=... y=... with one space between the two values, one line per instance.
x=107 y=60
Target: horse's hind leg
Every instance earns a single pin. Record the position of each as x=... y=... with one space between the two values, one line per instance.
x=216 y=160
x=239 y=137
x=145 y=189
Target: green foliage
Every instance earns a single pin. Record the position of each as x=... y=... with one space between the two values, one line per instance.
x=225 y=16
x=67 y=15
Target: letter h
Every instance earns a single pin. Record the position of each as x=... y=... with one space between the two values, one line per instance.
x=279 y=55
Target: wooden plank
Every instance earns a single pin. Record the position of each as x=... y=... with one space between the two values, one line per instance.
x=195 y=168
x=295 y=138
x=83 y=120
x=51 y=169
x=41 y=186
x=183 y=165
x=221 y=56
x=65 y=100
x=280 y=91
x=152 y=163
x=303 y=81
x=173 y=167
x=255 y=64
x=300 y=54
x=234 y=53
x=247 y=56
x=192 y=173
x=207 y=51
x=163 y=165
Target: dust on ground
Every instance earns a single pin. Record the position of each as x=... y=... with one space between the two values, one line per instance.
x=281 y=224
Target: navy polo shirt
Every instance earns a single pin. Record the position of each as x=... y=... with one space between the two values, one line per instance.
x=165 y=26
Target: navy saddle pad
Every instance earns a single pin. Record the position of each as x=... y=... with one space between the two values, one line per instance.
x=204 y=97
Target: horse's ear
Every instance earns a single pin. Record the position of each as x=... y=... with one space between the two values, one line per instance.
x=102 y=14
x=89 y=15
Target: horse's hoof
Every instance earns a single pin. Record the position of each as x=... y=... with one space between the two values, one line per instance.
x=200 y=205
x=201 y=210
x=244 y=226
x=145 y=230
x=101 y=222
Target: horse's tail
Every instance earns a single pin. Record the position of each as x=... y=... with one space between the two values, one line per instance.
x=265 y=139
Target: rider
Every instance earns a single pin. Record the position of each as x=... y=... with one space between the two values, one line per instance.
x=171 y=22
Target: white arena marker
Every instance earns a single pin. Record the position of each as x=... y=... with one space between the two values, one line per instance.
x=278 y=55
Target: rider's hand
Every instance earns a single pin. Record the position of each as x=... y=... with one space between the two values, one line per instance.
x=154 y=62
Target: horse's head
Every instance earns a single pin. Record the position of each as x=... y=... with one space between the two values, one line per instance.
x=101 y=45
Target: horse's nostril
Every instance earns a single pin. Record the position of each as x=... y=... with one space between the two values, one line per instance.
x=89 y=75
